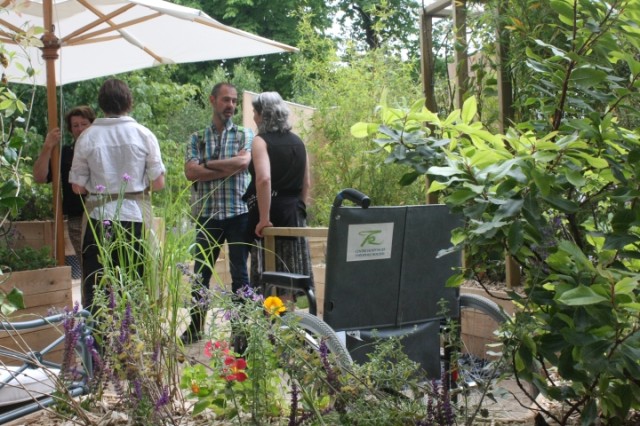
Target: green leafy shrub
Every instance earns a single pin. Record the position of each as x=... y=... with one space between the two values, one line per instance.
x=564 y=206
x=559 y=192
x=25 y=258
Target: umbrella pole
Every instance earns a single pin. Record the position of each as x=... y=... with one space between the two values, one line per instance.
x=50 y=55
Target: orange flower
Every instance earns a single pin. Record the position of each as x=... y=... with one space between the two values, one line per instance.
x=194 y=387
x=274 y=305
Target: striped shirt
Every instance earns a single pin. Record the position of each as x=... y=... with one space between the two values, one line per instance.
x=220 y=198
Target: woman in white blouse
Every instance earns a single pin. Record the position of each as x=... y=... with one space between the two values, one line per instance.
x=117 y=162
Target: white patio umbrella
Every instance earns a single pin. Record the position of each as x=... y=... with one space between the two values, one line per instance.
x=85 y=39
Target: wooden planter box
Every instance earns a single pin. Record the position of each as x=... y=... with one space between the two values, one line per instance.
x=44 y=290
x=37 y=234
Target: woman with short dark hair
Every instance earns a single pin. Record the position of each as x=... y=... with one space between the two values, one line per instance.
x=117 y=162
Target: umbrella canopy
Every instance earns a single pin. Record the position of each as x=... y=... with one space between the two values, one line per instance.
x=85 y=39
x=105 y=37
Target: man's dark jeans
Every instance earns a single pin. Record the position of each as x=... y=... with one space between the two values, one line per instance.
x=211 y=235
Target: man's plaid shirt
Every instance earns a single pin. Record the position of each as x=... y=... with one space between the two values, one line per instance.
x=220 y=198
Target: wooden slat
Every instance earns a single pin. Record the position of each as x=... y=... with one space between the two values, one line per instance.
x=270 y=242
x=32 y=340
x=39 y=281
x=295 y=232
x=37 y=234
x=439 y=8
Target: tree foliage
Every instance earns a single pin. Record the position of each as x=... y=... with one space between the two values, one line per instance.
x=559 y=192
x=276 y=21
x=393 y=24
x=343 y=93
x=359 y=25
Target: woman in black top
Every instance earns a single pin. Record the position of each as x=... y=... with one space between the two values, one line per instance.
x=279 y=188
x=76 y=121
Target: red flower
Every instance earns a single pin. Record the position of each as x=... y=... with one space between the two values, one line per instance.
x=235 y=369
x=212 y=347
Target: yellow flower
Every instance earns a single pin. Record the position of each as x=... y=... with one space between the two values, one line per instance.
x=274 y=305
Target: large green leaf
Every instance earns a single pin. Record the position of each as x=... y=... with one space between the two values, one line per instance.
x=560 y=203
x=451 y=118
x=469 y=110
x=485 y=158
x=627 y=285
x=409 y=178
x=461 y=196
x=11 y=302
x=488 y=227
x=455 y=281
x=589 y=413
x=557 y=51
x=437 y=186
x=592 y=160
x=362 y=130
x=200 y=406
x=619 y=241
x=587 y=77
x=634 y=64
x=543 y=181
x=16 y=298
x=563 y=8
x=443 y=171
x=515 y=237
x=635 y=307
x=510 y=208
x=576 y=178
x=581 y=296
x=581 y=260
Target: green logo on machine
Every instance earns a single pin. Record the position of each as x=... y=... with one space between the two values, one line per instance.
x=370 y=237
x=369 y=241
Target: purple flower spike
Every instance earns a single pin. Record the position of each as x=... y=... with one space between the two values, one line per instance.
x=164 y=398
x=126 y=177
x=100 y=189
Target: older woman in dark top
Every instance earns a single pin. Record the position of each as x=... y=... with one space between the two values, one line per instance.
x=279 y=188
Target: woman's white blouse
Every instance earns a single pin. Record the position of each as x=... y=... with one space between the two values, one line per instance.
x=116 y=156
